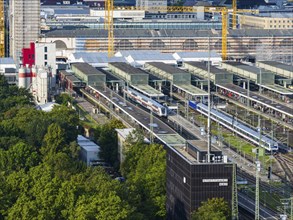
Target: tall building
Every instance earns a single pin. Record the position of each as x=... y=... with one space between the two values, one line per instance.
x=191 y=180
x=24 y=25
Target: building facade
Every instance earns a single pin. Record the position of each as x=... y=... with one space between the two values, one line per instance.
x=269 y=21
x=190 y=182
x=274 y=44
x=152 y=6
x=24 y=25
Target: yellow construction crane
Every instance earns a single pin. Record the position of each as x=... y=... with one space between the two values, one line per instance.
x=222 y=10
x=2 y=29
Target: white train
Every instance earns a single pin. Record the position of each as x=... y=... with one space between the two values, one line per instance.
x=148 y=103
x=238 y=127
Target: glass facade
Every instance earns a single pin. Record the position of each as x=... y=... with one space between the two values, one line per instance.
x=189 y=184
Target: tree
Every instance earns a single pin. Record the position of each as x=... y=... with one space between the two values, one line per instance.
x=212 y=209
x=54 y=140
x=107 y=139
x=145 y=171
x=64 y=99
x=67 y=119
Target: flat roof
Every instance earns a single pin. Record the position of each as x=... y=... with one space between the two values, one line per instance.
x=172 y=139
x=204 y=66
x=167 y=33
x=87 y=69
x=147 y=90
x=73 y=78
x=278 y=89
x=6 y=60
x=278 y=65
x=167 y=68
x=251 y=69
x=109 y=76
x=127 y=68
x=190 y=89
x=202 y=145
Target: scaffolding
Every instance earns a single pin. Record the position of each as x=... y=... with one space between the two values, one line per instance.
x=2 y=29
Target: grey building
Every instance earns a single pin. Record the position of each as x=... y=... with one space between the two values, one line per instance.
x=24 y=25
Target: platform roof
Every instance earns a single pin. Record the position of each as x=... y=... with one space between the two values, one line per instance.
x=148 y=90
x=191 y=90
x=251 y=69
x=87 y=69
x=278 y=65
x=278 y=89
x=167 y=68
x=213 y=70
x=127 y=68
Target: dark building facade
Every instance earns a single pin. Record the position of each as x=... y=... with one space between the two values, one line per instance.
x=189 y=183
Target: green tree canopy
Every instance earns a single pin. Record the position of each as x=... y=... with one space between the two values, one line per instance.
x=107 y=138
x=213 y=209
x=145 y=171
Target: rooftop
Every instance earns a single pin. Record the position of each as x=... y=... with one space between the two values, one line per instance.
x=6 y=60
x=87 y=69
x=128 y=68
x=278 y=65
x=251 y=69
x=167 y=68
x=190 y=89
x=166 y=33
x=201 y=145
x=204 y=66
x=148 y=90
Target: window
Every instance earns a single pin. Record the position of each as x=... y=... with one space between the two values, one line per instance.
x=45 y=49
x=45 y=56
x=45 y=64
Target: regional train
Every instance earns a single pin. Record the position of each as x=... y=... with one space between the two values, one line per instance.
x=146 y=102
x=240 y=128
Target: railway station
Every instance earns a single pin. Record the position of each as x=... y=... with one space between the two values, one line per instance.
x=217 y=75
x=179 y=80
x=89 y=74
x=256 y=101
x=135 y=77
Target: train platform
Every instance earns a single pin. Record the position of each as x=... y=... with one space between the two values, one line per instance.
x=147 y=90
x=237 y=90
x=278 y=89
x=191 y=90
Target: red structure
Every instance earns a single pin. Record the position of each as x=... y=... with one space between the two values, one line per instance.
x=28 y=55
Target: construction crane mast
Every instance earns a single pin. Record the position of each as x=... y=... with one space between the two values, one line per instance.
x=2 y=29
x=234 y=18
x=222 y=10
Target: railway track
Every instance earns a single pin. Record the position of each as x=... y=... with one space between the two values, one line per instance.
x=286 y=164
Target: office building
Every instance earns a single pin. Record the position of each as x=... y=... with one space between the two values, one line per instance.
x=24 y=25
x=190 y=180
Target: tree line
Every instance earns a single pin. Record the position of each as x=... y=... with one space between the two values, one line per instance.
x=42 y=177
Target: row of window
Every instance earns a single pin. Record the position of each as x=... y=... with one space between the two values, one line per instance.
x=284 y=21
x=280 y=26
